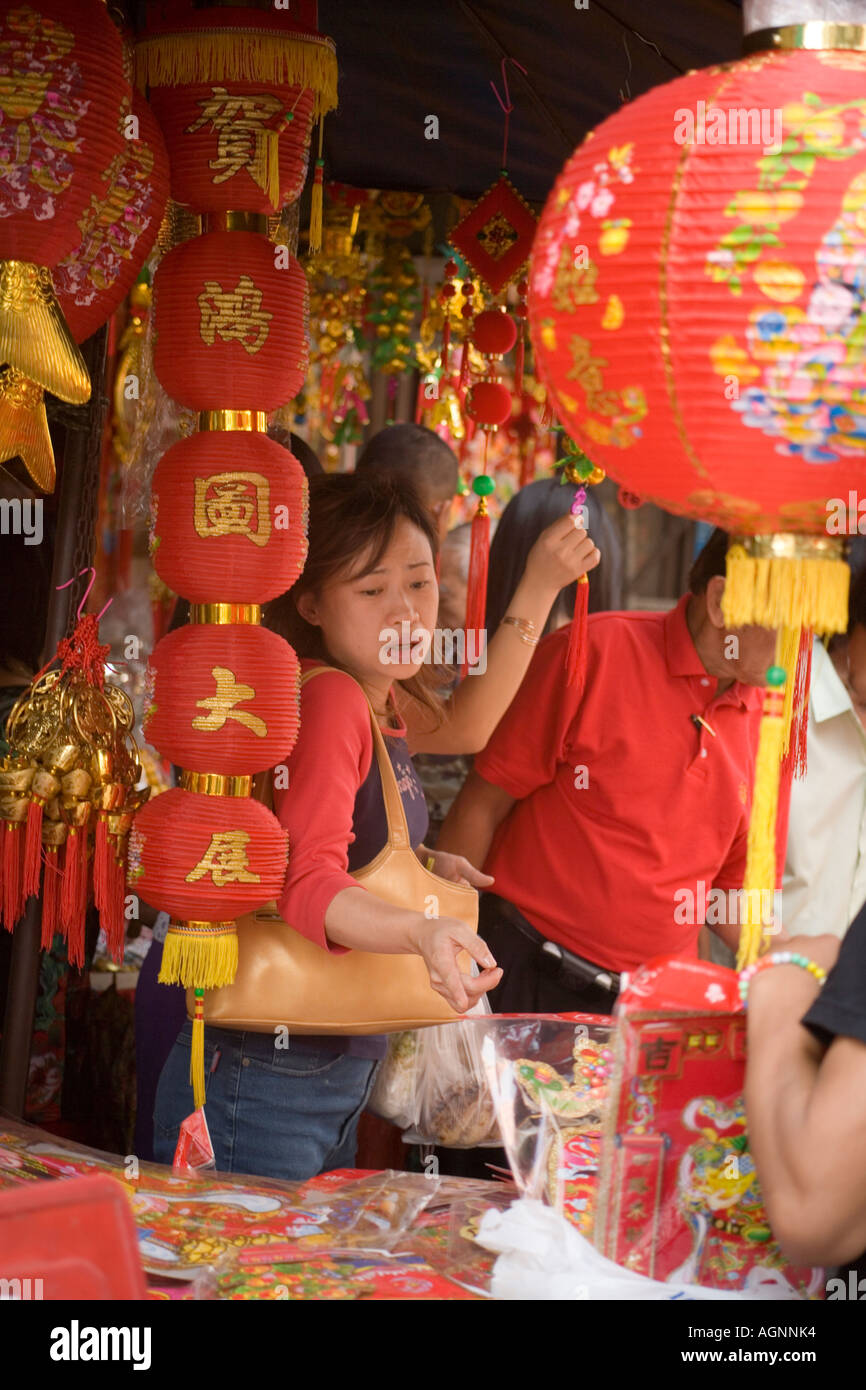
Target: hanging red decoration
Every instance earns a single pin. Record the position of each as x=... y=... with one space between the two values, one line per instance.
x=63 y=85
x=118 y=229
x=229 y=517
x=236 y=144
x=495 y=237
x=206 y=858
x=489 y=404
x=494 y=333
x=231 y=323
x=223 y=699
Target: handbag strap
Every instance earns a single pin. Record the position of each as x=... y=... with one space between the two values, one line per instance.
x=395 y=814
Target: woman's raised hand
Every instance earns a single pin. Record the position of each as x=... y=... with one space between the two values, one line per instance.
x=562 y=553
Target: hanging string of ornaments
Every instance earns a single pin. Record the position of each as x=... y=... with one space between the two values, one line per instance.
x=236 y=92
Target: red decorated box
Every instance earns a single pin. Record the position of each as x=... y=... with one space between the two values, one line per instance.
x=679 y=1194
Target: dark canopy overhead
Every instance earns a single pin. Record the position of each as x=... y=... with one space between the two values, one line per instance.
x=401 y=61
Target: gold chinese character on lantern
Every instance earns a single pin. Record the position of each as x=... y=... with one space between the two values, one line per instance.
x=234 y=315
x=225 y=860
x=243 y=139
x=233 y=504
x=229 y=692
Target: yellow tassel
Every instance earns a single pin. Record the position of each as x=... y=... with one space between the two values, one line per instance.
x=196 y=1053
x=788 y=650
x=316 y=201
x=759 y=883
x=34 y=337
x=200 y=955
x=24 y=427
x=238 y=55
x=798 y=589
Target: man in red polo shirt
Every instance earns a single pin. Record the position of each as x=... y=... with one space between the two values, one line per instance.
x=606 y=818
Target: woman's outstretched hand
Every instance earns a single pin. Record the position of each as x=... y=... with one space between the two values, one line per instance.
x=440 y=943
x=455 y=868
x=562 y=553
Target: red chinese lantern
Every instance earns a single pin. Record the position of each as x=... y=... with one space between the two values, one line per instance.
x=223 y=699
x=206 y=858
x=489 y=404
x=62 y=88
x=230 y=324
x=236 y=144
x=229 y=517
x=118 y=229
x=494 y=333
x=696 y=306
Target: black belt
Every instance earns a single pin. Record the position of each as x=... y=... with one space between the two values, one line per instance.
x=598 y=975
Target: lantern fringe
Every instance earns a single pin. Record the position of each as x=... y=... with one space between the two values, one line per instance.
x=24 y=428
x=272 y=185
x=32 y=847
x=575 y=663
x=476 y=588
x=194 y=958
x=237 y=55
x=50 y=899
x=13 y=886
x=760 y=875
x=797 y=725
x=34 y=336
x=781 y=591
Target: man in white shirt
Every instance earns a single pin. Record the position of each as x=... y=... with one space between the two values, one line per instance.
x=825 y=872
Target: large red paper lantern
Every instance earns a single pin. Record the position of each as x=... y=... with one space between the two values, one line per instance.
x=118 y=229
x=231 y=324
x=229 y=517
x=61 y=88
x=236 y=144
x=223 y=698
x=696 y=302
x=206 y=858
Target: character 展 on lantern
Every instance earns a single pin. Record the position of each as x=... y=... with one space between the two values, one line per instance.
x=233 y=504
x=234 y=315
x=225 y=860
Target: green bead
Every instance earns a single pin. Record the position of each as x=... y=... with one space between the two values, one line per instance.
x=482 y=486
x=776 y=675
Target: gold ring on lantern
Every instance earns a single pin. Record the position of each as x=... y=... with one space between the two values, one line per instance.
x=235 y=222
x=225 y=613
x=216 y=784
x=254 y=420
x=789 y=545
x=814 y=34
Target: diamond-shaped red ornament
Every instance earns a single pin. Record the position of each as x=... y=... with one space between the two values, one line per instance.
x=495 y=237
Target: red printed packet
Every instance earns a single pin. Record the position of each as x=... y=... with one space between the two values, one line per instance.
x=194 y=1152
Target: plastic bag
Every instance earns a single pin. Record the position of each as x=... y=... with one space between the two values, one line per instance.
x=393 y=1097
x=453 y=1104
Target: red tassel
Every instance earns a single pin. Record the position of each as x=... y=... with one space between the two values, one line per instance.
x=73 y=897
x=575 y=663
x=476 y=588
x=50 y=898
x=446 y=340
x=794 y=761
x=519 y=359
x=33 y=847
x=108 y=886
x=464 y=365
x=13 y=884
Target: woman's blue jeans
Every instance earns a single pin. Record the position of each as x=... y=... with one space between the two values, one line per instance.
x=271 y=1111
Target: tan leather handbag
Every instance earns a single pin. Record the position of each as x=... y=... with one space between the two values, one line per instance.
x=284 y=978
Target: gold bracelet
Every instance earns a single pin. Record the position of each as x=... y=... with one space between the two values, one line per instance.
x=526 y=630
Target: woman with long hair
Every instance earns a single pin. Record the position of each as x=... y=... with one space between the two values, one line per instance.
x=291 y=1113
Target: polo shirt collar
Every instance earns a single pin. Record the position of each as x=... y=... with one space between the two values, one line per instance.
x=828 y=697
x=681 y=656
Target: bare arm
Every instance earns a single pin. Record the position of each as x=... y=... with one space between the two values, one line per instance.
x=807 y=1117
x=358 y=919
x=473 y=819
x=562 y=553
